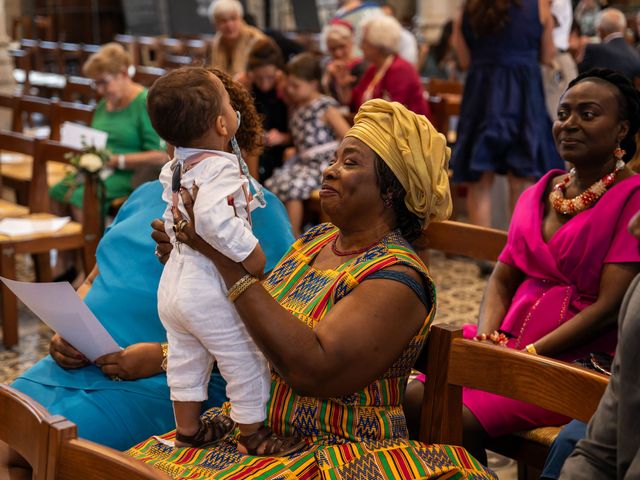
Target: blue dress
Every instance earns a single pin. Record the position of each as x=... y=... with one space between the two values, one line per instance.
x=123 y=298
x=504 y=126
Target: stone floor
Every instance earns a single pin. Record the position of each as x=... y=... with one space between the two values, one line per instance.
x=459 y=291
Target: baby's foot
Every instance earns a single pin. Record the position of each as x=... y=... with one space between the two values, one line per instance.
x=210 y=432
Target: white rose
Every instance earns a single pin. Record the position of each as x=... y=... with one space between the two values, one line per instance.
x=90 y=162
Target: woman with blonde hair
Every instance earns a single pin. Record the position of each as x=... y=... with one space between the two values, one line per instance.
x=122 y=113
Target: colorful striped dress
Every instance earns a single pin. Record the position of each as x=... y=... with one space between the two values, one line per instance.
x=359 y=436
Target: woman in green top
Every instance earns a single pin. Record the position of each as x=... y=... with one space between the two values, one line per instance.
x=122 y=113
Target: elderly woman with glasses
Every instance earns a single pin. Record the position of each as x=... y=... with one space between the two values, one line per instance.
x=122 y=113
x=388 y=76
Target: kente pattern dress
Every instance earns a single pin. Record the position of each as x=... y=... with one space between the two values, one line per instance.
x=315 y=142
x=359 y=436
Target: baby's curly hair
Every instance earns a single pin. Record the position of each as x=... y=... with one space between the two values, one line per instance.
x=628 y=102
x=250 y=135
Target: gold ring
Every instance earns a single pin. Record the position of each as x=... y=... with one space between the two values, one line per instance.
x=181 y=224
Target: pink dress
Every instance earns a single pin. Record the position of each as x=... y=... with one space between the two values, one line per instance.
x=562 y=277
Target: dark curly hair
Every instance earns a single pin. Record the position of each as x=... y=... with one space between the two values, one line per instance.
x=628 y=102
x=488 y=16
x=408 y=223
x=250 y=135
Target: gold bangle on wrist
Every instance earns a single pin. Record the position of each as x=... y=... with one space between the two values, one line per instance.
x=165 y=353
x=241 y=286
x=531 y=348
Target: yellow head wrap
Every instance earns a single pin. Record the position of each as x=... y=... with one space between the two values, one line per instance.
x=414 y=150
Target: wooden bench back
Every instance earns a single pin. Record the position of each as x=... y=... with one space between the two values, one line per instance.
x=69 y=112
x=25 y=426
x=72 y=458
x=552 y=384
x=25 y=106
x=79 y=89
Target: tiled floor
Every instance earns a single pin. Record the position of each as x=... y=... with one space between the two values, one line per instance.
x=459 y=291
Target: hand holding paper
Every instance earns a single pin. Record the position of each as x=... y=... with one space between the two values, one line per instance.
x=58 y=305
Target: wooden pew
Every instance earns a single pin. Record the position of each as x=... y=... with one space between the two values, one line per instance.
x=534 y=379
x=73 y=236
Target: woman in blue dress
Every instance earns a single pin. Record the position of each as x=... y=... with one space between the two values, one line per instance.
x=123 y=298
x=504 y=127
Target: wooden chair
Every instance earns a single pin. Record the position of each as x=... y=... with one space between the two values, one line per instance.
x=169 y=61
x=69 y=112
x=89 y=49
x=198 y=50
x=147 y=75
x=71 y=58
x=557 y=386
x=438 y=86
x=150 y=50
x=27 y=26
x=73 y=236
x=25 y=107
x=130 y=43
x=79 y=89
x=25 y=426
x=458 y=238
x=72 y=458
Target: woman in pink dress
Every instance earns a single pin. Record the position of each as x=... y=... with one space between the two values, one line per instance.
x=569 y=258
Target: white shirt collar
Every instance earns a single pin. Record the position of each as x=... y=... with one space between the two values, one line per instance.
x=612 y=36
x=182 y=153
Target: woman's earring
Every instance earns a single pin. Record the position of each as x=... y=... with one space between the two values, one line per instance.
x=388 y=202
x=619 y=153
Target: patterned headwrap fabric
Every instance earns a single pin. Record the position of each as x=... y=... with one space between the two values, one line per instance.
x=414 y=150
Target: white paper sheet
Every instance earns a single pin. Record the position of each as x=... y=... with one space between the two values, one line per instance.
x=25 y=226
x=60 y=307
x=74 y=134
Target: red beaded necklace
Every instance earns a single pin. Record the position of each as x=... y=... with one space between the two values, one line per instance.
x=572 y=206
x=348 y=253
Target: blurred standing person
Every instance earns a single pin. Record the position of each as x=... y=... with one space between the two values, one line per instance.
x=233 y=39
x=563 y=69
x=614 y=52
x=586 y=13
x=504 y=126
x=440 y=60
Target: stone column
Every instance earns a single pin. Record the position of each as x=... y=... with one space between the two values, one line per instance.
x=433 y=14
x=7 y=83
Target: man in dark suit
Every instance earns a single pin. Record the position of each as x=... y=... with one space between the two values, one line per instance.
x=614 y=52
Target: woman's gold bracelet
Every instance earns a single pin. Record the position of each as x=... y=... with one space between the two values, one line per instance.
x=241 y=286
x=165 y=352
x=531 y=348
